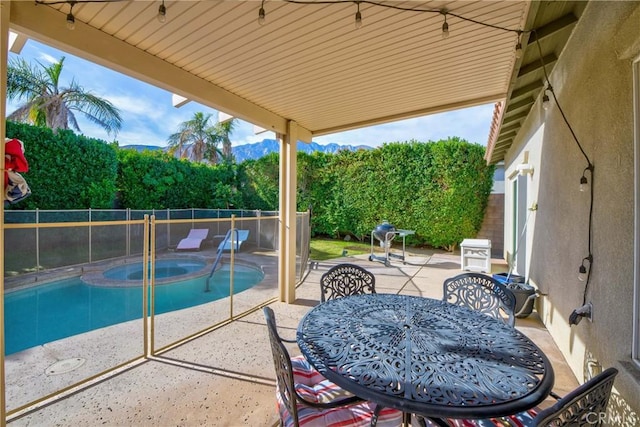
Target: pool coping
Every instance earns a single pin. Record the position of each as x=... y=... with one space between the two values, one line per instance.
x=92 y=273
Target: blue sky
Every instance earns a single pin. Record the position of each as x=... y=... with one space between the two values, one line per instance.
x=149 y=116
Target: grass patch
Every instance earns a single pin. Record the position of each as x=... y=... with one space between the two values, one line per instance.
x=323 y=249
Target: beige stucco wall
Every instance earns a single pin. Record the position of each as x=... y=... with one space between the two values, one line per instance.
x=593 y=82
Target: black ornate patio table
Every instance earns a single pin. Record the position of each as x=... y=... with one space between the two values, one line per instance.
x=425 y=356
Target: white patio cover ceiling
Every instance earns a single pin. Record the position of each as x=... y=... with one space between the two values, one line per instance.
x=307 y=63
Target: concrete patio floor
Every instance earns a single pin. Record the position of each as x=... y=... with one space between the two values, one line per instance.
x=226 y=377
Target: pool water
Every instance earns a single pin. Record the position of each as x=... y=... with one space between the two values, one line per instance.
x=163 y=268
x=41 y=314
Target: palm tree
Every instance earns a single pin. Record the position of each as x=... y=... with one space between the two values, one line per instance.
x=198 y=140
x=198 y=135
x=224 y=129
x=48 y=104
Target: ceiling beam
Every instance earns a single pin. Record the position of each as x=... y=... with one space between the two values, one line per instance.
x=526 y=90
x=519 y=104
x=505 y=137
x=553 y=27
x=47 y=25
x=513 y=117
x=537 y=65
x=512 y=127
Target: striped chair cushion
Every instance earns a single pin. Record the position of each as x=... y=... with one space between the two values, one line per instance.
x=304 y=373
x=522 y=419
x=325 y=391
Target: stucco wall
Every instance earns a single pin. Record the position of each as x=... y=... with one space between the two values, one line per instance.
x=593 y=83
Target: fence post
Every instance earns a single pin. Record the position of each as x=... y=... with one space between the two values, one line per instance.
x=38 y=240
x=232 y=265
x=259 y=227
x=128 y=232
x=90 y=243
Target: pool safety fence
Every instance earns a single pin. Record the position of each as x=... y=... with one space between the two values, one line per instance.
x=44 y=248
x=41 y=241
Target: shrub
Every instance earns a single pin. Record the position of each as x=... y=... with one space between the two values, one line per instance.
x=66 y=171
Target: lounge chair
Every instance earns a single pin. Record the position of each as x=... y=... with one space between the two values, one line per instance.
x=237 y=238
x=194 y=239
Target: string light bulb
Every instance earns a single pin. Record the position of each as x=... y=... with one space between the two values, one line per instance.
x=261 y=14
x=518 y=50
x=582 y=270
x=584 y=182
x=546 y=101
x=71 y=20
x=162 y=13
x=358 y=21
x=445 y=25
x=582 y=273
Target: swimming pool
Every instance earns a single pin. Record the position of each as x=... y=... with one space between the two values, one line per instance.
x=60 y=309
x=164 y=268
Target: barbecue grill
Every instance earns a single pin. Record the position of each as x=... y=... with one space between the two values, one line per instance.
x=385 y=233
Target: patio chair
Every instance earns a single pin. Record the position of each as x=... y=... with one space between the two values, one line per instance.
x=346 y=279
x=584 y=406
x=305 y=398
x=236 y=239
x=194 y=240
x=482 y=293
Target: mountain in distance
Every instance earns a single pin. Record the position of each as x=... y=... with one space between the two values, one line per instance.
x=266 y=146
x=143 y=147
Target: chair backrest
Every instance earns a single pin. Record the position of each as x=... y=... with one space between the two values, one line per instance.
x=584 y=406
x=482 y=293
x=282 y=364
x=346 y=279
x=198 y=233
x=241 y=235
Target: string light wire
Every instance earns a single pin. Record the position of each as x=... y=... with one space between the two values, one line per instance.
x=416 y=9
x=590 y=167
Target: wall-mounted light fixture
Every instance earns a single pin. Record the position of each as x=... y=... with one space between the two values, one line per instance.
x=525 y=169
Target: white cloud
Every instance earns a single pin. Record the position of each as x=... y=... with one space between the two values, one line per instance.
x=132 y=104
x=471 y=124
x=46 y=58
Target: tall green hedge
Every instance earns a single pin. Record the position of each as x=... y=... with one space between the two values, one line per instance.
x=155 y=180
x=66 y=171
x=258 y=180
x=439 y=189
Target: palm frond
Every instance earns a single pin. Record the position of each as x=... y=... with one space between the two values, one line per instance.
x=49 y=105
x=97 y=110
